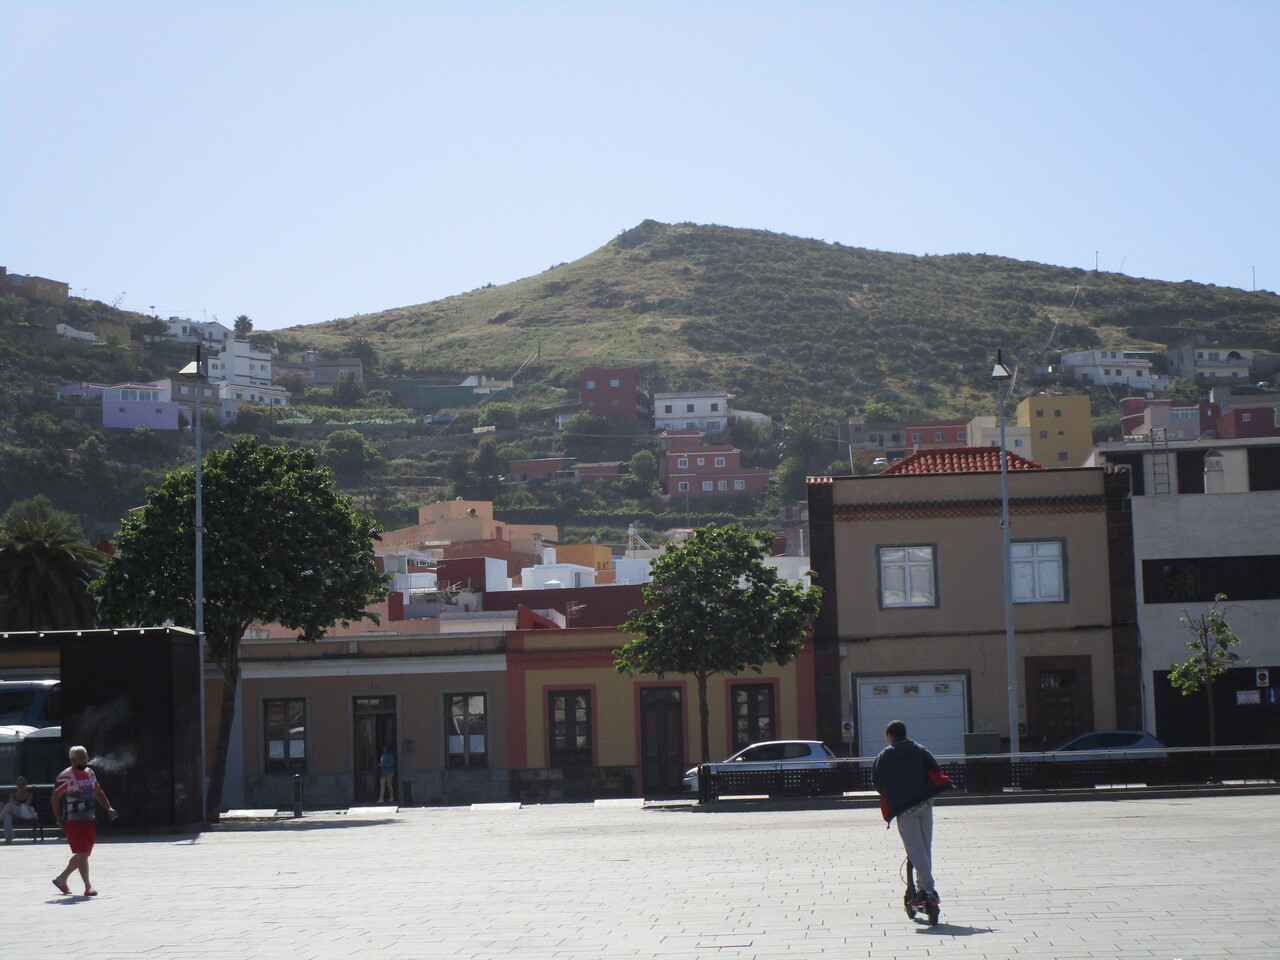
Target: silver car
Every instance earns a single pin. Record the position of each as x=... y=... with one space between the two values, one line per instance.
x=772 y=755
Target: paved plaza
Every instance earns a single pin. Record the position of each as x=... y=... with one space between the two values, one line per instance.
x=1171 y=877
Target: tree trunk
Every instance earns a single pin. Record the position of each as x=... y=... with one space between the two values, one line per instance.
x=226 y=718
x=704 y=717
x=1213 y=717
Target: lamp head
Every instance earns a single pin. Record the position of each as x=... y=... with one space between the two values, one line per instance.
x=1000 y=371
x=193 y=370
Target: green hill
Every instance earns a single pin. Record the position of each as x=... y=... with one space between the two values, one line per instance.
x=777 y=319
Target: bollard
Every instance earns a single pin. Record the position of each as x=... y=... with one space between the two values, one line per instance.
x=297 y=794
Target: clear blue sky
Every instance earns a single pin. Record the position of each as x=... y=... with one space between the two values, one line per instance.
x=301 y=161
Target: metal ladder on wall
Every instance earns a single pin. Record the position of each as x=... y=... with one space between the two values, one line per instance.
x=1160 y=482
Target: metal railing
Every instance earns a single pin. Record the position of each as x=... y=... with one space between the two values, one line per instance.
x=997 y=773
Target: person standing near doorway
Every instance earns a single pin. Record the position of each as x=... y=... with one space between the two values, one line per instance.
x=76 y=795
x=386 y=775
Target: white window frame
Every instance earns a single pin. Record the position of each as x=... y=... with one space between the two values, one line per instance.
x=682 y=463
x=720 y=460
x=1039 y=571
x=908 y=575
x=708 y=485
x=683 y=486
x=739 y=484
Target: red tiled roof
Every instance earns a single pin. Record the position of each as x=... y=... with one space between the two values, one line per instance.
x=958 y=460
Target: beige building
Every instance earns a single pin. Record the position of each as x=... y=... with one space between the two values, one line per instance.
x=912 y=625
x=467 y=521
x=1061 y=428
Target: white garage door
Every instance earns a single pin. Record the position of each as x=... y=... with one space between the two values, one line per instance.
x=933 y=708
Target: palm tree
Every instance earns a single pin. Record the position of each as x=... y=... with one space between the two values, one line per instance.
x=45 y=571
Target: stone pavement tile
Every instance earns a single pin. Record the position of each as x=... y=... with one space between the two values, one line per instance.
x=1037 y=881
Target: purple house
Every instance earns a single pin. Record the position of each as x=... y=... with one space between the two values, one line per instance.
x=129 y=405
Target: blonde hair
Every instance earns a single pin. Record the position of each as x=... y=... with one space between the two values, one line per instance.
x=78 y=749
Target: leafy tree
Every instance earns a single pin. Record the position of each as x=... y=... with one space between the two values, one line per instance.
x=878 y=412
x=803 y=440
x=1211 y=656
x=499 y=414
x=280 y=546
x=486 y=465
x=295 y=381
x=347 y=452
x=715 y=606
x=45 y=569
x=644 y=467
x=583 y=435
x=347 y=390
x=243 y=327
x=362 y=348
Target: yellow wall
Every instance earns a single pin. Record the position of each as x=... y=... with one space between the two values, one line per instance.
x=1066 y=421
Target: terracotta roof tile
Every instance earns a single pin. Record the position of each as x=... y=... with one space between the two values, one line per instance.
x=958 y=460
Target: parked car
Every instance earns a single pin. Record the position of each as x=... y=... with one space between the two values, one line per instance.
x=32 y=703
x=771 y=755
x=1100 y=744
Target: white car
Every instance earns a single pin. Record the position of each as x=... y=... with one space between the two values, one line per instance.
x=771 y=755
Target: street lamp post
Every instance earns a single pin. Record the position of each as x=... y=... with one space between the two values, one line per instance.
x=195 y=372
x=1000 y=375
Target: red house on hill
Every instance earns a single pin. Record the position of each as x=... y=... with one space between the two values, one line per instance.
x=616 y=394
x=695 y=469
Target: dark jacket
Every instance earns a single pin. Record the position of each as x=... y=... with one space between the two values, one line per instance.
x=905 y=774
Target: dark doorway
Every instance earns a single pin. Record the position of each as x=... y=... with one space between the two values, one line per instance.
x=373 y=729
x=661 y=740
x=1059 y=699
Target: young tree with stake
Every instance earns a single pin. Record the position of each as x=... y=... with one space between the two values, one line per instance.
x=716 y=607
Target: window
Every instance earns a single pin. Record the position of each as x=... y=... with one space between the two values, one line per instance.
x=1044 y=434
x=938 y=435
x=715 y=408
x=466 y=721
x=1039 y=413
x=1057 y=413
x=1246 y=417
x=688 y=408
x=1037 y=571
x=707 y=485
x=1062 y=456
x=591 y=384
x=739 y=484
x=569 y=726
x=962 y=436
x=753 y=714
x=702 y=461
x=285 y=734
x=1200 y=579
x=713 y=426
x=721 y=485
x=720 y=460
x=613 y=383
x=906 y=577
x=666 y=408
x=1016 y=443
x=682 y=463
x=915 y=438
x=683 y=486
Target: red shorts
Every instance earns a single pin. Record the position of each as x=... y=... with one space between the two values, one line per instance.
x=81 y=834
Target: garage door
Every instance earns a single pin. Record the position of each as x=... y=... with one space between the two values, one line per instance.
x=932 y=707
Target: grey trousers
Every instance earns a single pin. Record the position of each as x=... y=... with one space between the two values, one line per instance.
x=916 y=830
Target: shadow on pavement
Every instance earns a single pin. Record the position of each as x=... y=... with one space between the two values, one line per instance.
x=954 y=930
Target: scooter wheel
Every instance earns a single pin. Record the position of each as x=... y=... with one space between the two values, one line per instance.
x=906 y=904
x=931 y=911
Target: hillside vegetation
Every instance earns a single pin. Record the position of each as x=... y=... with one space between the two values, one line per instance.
x=778 y=320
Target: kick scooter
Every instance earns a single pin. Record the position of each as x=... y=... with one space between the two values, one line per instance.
x=926 y=912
